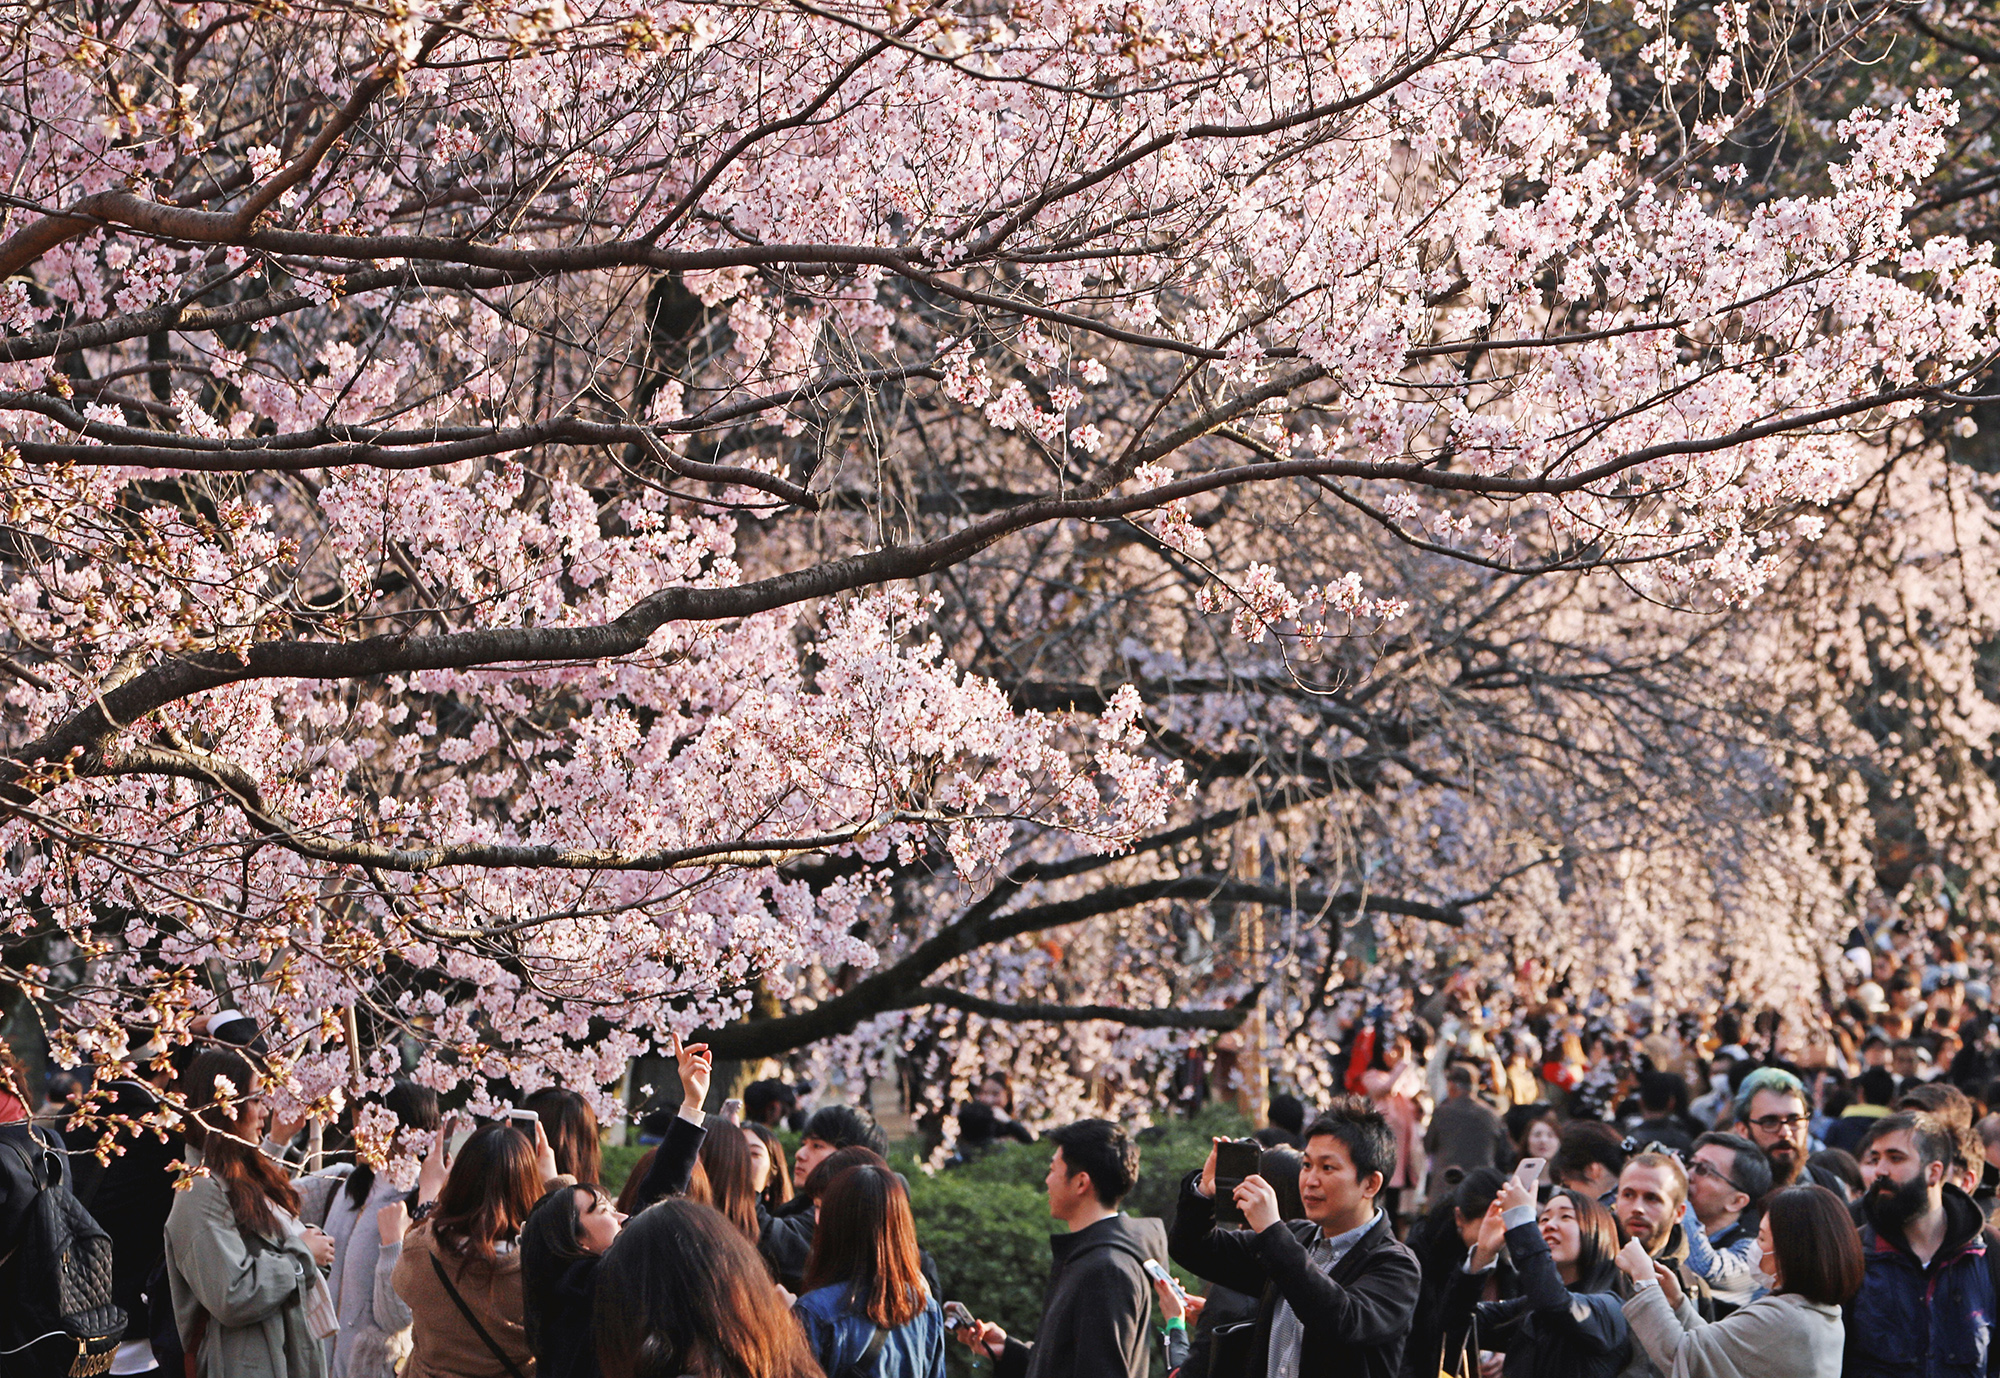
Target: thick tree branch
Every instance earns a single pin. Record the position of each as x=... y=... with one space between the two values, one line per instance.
x=897 y=986
x=1223 y=1019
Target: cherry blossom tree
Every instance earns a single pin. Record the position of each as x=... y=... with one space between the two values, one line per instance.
x=463 y=579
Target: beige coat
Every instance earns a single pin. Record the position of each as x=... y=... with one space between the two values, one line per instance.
x=254 y=1296
x=442 y=1344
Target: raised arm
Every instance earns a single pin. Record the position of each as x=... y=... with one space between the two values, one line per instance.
x=1196 y=1243
x=673 y=1165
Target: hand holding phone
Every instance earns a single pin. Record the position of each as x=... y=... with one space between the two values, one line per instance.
x=1235 y=1159
x=1529 y=1173
x=956 y=1317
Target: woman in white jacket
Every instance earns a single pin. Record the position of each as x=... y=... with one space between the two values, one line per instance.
x=374 y=1324
x=1811 y=1255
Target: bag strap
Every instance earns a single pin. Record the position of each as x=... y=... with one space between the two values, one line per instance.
x=859 y=1365
x=513 y=1369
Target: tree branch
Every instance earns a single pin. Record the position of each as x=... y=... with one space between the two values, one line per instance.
x=898 y=986
x=1222 y=1020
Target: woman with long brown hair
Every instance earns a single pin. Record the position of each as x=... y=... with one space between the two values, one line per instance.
x=866 y=1307
x=242 y=1270
x=571 y=1126
x=1812 y=1259
x=460 y=1270
x=732 y=1187
x=682 y=1292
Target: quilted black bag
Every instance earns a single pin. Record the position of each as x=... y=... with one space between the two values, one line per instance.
x=60 y=1321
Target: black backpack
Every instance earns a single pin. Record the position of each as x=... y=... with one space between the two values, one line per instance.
x=60 y=1321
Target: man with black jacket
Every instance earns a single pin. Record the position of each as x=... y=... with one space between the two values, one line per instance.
x=1098 y=1301
x=1338 y=1291
x=786 y=1234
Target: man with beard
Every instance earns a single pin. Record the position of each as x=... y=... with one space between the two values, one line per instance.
x=1774 y=1113
x=1652 y=1191
x=1926 y=1308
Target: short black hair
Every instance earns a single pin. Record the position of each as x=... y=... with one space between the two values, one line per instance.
x=1749 y=1169
x=1661 y=1091
x=760 y=1096
x=1459 y=1075
x=845 y=1127
x=1836 y=1170
x=1876 y=1086
x=1288 y=1113
x=1365 y=1131
x=1584 y=1142
x=1103 y=1150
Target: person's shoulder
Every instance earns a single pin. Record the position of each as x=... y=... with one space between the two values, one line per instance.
x=824 y=1303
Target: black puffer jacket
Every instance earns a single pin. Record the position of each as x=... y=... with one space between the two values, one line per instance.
x=561 y=1308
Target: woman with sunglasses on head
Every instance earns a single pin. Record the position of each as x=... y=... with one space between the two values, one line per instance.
x=1566 y=1322
x=1810 y=1255
x=242 y=1269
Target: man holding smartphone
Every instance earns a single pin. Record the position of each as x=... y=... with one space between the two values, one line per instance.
x=1338 y=1291
x=1098 y=1301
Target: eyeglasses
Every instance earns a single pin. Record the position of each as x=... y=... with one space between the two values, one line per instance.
x=1700 y=1168
x=1773 y=1124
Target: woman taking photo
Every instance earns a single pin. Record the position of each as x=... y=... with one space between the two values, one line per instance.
x=1813 y=1262
x=563 y=1241
x=571 y=1227
x=373 y=1339
x=682 y=1292
x=865 y=1308
x=571 y=1127
x=460 y=1269
x=1567 y=1322
x=248 y=1298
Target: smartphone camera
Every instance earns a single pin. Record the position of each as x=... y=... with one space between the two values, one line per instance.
x=1235 y=1159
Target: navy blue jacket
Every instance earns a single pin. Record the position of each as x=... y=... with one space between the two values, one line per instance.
x=840 y=1335
x=1910 y=1321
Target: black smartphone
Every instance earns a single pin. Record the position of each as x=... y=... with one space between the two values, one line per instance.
x=1235 y=1159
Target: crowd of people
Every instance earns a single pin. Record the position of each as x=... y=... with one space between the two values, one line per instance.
x=1616 y=1201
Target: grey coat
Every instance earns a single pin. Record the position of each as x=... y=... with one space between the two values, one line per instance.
x=1778 y=1336
x=374 y=1324
x=254 y=1297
